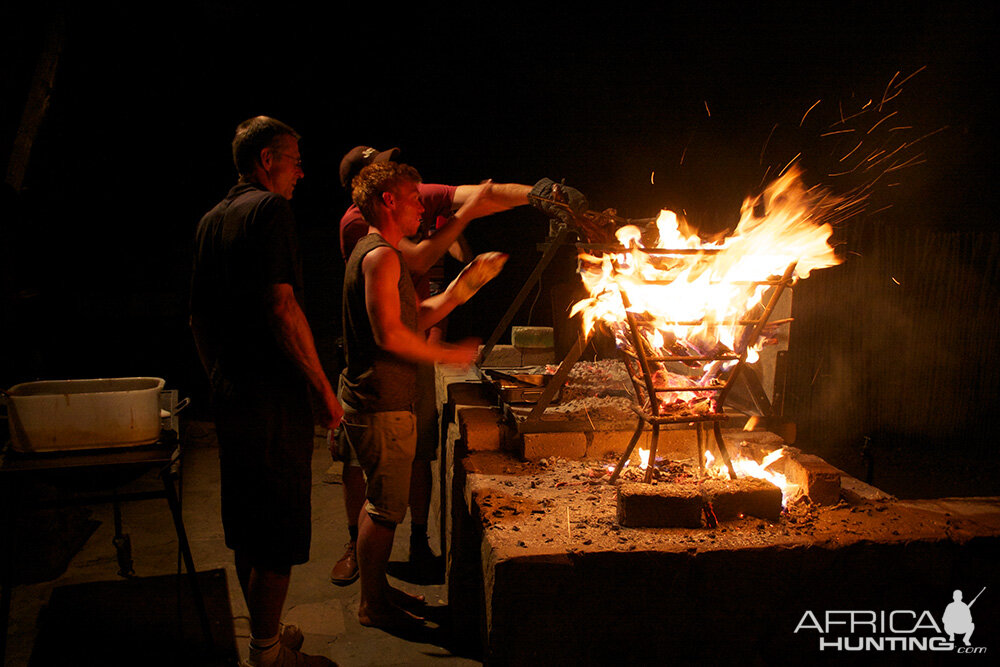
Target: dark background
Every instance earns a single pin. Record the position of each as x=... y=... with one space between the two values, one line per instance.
x=673 y=107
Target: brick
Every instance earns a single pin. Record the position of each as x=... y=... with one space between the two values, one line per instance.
x=468 y=393
x=747 y=495
x=532 y=337
x=502 y=356
x=537 y=356
x=568 y=445
x=659 y=505
x=480 y=428
x=857 y=492
x=753 y=444
x=446 y=374
x=819 y=480
x=671 y=443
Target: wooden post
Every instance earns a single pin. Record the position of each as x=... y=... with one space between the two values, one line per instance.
x=37 y=103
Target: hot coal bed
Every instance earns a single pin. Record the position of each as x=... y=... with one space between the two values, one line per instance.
x=551 y=563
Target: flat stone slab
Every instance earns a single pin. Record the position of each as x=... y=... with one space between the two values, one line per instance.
x=556 y=562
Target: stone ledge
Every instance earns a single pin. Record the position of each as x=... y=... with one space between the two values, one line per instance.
x=606 y=586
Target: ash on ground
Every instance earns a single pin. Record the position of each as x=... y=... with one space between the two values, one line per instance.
x=560 y=504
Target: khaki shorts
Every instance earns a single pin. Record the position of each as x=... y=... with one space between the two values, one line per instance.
x=384 y=443
x=428 y=428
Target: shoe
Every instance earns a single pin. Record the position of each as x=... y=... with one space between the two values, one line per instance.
x=291 y=636
x=346 y=569
x=288 y=658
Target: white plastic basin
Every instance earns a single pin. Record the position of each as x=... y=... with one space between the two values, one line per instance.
x=54 y=415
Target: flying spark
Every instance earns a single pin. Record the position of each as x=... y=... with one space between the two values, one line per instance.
x=815 y=104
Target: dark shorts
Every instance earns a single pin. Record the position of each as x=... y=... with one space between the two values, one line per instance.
x=265 y=452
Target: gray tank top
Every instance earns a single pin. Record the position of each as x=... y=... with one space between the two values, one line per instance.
x=375 y=380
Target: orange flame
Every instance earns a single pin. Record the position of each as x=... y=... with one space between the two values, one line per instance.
x=689 y=297
x=748 y=467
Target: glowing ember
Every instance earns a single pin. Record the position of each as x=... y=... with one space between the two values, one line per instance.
x=694 y=299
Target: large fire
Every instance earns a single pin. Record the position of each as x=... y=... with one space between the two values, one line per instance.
x=696 y=309
x=693 y=299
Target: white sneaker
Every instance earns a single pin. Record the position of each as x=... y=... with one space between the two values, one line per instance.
x=287 y=657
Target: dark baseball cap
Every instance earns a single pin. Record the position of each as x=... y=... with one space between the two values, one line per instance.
x=360 y=157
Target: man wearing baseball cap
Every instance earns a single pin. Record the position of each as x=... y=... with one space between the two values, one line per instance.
x=440 y=232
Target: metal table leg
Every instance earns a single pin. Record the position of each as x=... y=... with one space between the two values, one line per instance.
x=175 y=510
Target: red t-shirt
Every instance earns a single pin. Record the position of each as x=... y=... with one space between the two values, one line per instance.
x=437 y=200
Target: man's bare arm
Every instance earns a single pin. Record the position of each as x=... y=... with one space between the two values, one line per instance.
x=461 y=251
x=381 y=269
x=503 y=195
x=291 y=330
x=420 y=257
x=472 y=201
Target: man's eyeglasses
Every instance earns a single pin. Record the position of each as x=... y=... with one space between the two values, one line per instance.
x=298 y=162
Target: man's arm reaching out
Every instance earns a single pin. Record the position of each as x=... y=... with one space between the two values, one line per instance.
x=381 y=269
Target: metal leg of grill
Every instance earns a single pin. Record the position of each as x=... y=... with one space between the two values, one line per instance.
x=628 y=450
x=652 y=453
x=700 y=454
x=722 y=450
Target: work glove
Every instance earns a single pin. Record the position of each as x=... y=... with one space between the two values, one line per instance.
x=552 y=198
x=476 y=273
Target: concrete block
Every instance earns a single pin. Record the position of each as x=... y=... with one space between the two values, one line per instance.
x=502 y=356
x=747 y=495
x=752 y=444
x=480 y=428
x=659 y=505
x=445 y=374
x=468 y=393
x=819 y=480
x=857 y=492
x=568 y=445
x=601 y=444
x=537 y=356
x=671 y=443
x=533 y=337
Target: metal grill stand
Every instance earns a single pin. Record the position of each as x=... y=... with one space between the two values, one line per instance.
x=642 y=364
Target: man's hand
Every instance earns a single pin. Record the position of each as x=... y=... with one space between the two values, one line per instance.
x=476 y=273
x=463 y=353
x=552 y=198
x=329 y=408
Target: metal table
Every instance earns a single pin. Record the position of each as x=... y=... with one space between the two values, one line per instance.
x=124 y=464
